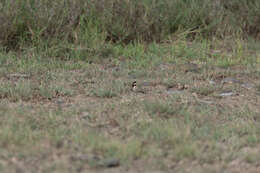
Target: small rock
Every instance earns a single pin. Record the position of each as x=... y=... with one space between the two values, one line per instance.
x=226 y=94
x=85 y=157
x=173 y=91
x=109 y=163
x=230 y=80
x=16 y=75
x=212 y=82
x=60 y=102
x=247 y=85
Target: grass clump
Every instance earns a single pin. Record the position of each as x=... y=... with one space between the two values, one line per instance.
x=105 y=93
x=163 y=109
x=22 y=90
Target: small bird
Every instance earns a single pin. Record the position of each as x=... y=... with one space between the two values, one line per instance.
x=134 y=87
x=137 y=89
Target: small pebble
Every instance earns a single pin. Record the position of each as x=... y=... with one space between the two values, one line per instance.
x=226 y=94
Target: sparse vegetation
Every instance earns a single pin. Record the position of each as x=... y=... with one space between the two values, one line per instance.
x=66 y=69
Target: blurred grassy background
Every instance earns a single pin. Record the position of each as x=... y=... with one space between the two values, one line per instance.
x=61 y=28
